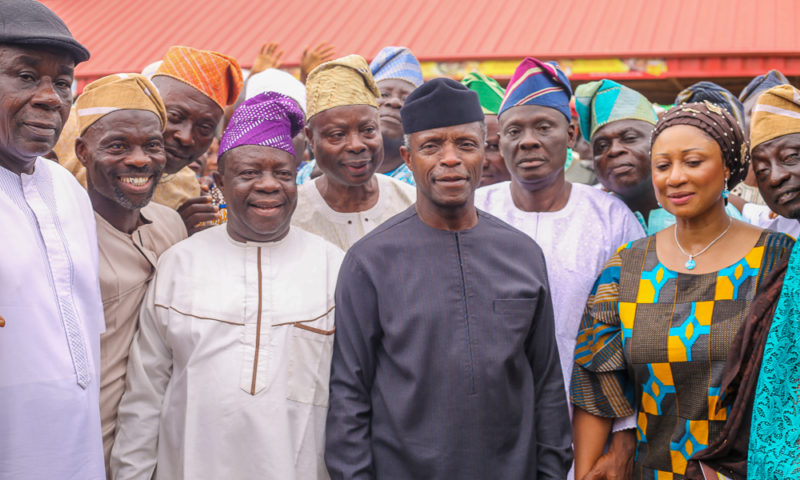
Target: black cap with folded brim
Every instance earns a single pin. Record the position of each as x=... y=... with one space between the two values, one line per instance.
x=28 y=23
x=438 y=103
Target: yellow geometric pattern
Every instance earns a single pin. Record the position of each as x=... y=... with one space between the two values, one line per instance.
x=729 y=279
x=713 y=403
x=650 y=283
x=627 y=315
x=695 y=438
x=682 y=337
x=657 y=387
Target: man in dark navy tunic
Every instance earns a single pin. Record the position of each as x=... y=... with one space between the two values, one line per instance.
x=445 y=363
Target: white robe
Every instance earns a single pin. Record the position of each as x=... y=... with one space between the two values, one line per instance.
x=577 y=241
x=53 y=316
x=228 y=374
x=762 y=216
x=342 y=229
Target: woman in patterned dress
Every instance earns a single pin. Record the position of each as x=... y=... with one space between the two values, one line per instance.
x=659 y=322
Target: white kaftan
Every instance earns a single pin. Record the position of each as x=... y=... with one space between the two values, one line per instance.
x=228 y=374
x=343 y=229
x=577 y=241
x=762 y=216
x=51 y=317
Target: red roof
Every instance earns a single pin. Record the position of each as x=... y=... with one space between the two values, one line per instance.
x=694 y=36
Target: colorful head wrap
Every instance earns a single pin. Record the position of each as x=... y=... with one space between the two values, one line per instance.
x=776 y=113
x=217 y=76
x=344 y=81
x=712 y=92
x=719 y=125
x=538 y=83
x=123 y=91
x=490 y=93
x=274 y=80
x=605 y=101
x=269 y=119
x=441 y=102
x=773 y=78
x=397 y=63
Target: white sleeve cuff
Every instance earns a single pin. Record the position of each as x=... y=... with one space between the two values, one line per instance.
x=624 y=423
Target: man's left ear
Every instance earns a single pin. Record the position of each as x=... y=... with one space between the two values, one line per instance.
x=81 y=151
x=217 y=178
x=406 y=155
x=572 y=133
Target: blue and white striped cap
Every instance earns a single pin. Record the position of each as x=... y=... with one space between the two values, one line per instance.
x=397 y=63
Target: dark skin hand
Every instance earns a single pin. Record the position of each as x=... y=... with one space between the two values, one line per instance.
x=199 y=209
x=196 y=211
x=617 y=463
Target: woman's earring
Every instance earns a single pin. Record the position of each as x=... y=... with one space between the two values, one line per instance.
x=725 y=190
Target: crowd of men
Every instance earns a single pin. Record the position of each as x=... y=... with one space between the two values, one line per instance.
x=213 y=276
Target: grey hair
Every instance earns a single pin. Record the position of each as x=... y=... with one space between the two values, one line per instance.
x=407 y=136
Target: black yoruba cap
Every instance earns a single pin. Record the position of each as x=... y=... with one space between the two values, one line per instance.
x=440 y=102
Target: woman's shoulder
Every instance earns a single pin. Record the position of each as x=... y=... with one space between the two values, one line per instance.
x=640 y=244
x=773 y=239
x=776 y=245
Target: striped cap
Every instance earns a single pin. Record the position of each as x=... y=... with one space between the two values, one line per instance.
x=396 y=63
x=758 y=84
x=217 y=76
x=538 y=83
x=490 y=93
x=714 y=93
x=606 y=101
x=776 y=113
x=122 y=91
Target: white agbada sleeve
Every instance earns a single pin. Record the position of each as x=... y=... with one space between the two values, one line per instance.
x=149 y=371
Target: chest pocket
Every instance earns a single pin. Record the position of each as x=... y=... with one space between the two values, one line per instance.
x=513 y=320
x=515 y=306
x=309 y=360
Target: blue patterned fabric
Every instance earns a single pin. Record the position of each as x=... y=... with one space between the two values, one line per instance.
x=710 y=91
x=304 y=173
x=538 y=83
x=403 y=174
x=606 y=101
x=775 y=426
x=773 y=78
x=397 y=63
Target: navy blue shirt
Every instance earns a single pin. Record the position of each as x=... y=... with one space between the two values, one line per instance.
x=445 y=363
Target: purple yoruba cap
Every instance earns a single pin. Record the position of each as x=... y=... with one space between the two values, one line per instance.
x=269 y=119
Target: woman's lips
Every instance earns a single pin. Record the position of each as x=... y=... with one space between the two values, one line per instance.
x=681 y=198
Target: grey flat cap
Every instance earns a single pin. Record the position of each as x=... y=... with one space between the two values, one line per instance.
x=29 y=23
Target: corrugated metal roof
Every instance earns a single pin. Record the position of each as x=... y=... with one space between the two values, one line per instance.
x=126 y=36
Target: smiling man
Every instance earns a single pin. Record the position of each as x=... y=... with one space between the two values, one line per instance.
x=196 y=86
x=444 y=362
x=228 y=375
x=120 y=123
x=578 y=227
x=51 y=316
x=774 y=162
x=348 y=199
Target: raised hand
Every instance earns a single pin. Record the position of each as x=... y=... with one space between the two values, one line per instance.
x=320 y=54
